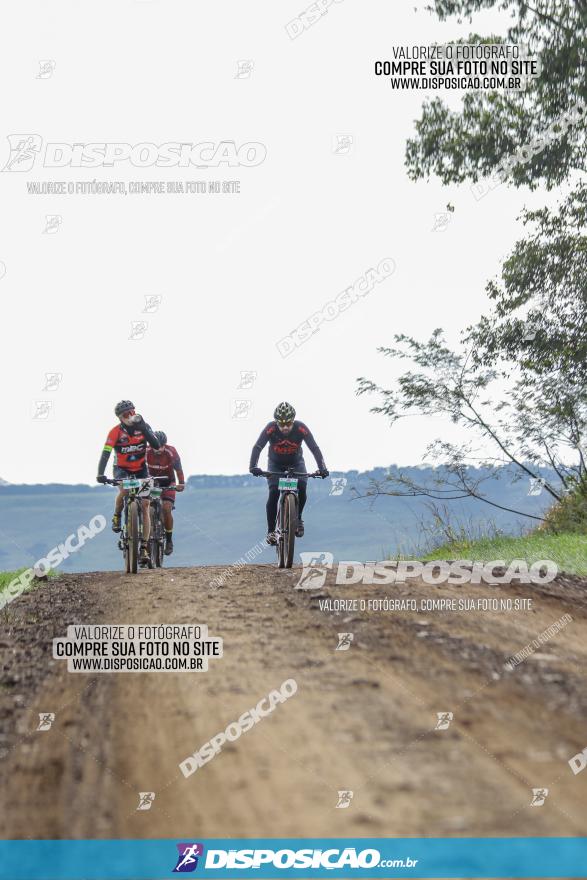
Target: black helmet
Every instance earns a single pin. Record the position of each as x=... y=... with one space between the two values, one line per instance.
x=161 y=437
x=284 y=412
x=123 y=406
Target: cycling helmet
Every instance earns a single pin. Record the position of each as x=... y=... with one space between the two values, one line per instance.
x=161 y=437
x=123 y=406
x=284 y=412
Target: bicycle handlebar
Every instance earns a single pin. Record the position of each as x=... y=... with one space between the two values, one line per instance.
x=287 y=474
x=143 y=480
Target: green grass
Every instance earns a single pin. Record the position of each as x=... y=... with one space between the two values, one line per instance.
x=568 y=551
x=7 y=576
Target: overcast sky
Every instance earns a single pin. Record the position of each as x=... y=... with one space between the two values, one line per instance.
x=235 y=273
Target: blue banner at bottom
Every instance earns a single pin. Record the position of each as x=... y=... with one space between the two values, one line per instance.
x=370 y=857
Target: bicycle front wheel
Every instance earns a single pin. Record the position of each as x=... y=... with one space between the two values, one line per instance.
x=289 y=530
x=132 y=538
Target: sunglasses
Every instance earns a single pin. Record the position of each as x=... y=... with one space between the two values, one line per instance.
x=127 y=414
x=285 y=424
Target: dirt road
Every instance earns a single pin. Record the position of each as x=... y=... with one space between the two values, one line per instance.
x=363 y=720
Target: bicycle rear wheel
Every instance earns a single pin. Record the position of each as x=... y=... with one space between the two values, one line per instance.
x=279 y=531
x=289 y=530
x=156 y=537
x=132 y=538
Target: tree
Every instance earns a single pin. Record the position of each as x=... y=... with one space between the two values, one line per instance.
x=531 y=429
x=539 y=320
x=471 y=144
x=519 y=379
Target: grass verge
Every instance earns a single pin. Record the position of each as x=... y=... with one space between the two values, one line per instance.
x=568 y=551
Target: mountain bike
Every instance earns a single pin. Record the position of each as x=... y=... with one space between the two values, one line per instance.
x=157 y=537
x=287 y=513
x=132 y=518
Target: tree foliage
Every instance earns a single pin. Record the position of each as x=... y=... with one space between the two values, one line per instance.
x=471 y=143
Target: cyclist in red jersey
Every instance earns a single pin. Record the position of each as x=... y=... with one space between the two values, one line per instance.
x=165 y=463
x=129 y=440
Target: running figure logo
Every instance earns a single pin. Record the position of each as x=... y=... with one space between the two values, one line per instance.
x=23 y=151
x=539 y=795
x=248 y=378
x=344 y=800
x=52 y=381
x=146 y=799
x=46 y=69
x=316 y=566
x=338 y=485
x=52 y=223
x=344 y=641
x=46 y=719
x=138 y=329
x=152 y=302
x=244 y=68
x=187 y=859
x=444 y=719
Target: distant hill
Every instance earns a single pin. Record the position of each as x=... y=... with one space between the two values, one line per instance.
x=220 y=518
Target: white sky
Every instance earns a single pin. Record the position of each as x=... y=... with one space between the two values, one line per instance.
x=235 y=272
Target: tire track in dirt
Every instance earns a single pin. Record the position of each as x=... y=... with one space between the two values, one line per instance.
x=362 y=720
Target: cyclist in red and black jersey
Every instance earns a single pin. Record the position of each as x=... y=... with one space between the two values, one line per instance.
x=285 y=436
x=128 y=439
x=164 y=463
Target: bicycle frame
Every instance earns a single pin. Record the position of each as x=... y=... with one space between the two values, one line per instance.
x=287 y=514
x=157 y=536
x=134 y=489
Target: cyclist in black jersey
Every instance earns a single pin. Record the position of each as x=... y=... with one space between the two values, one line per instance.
x=285 y=436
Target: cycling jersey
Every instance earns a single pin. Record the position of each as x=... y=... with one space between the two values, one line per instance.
x=165 y=463
x=286 y=449
x=129 y=445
